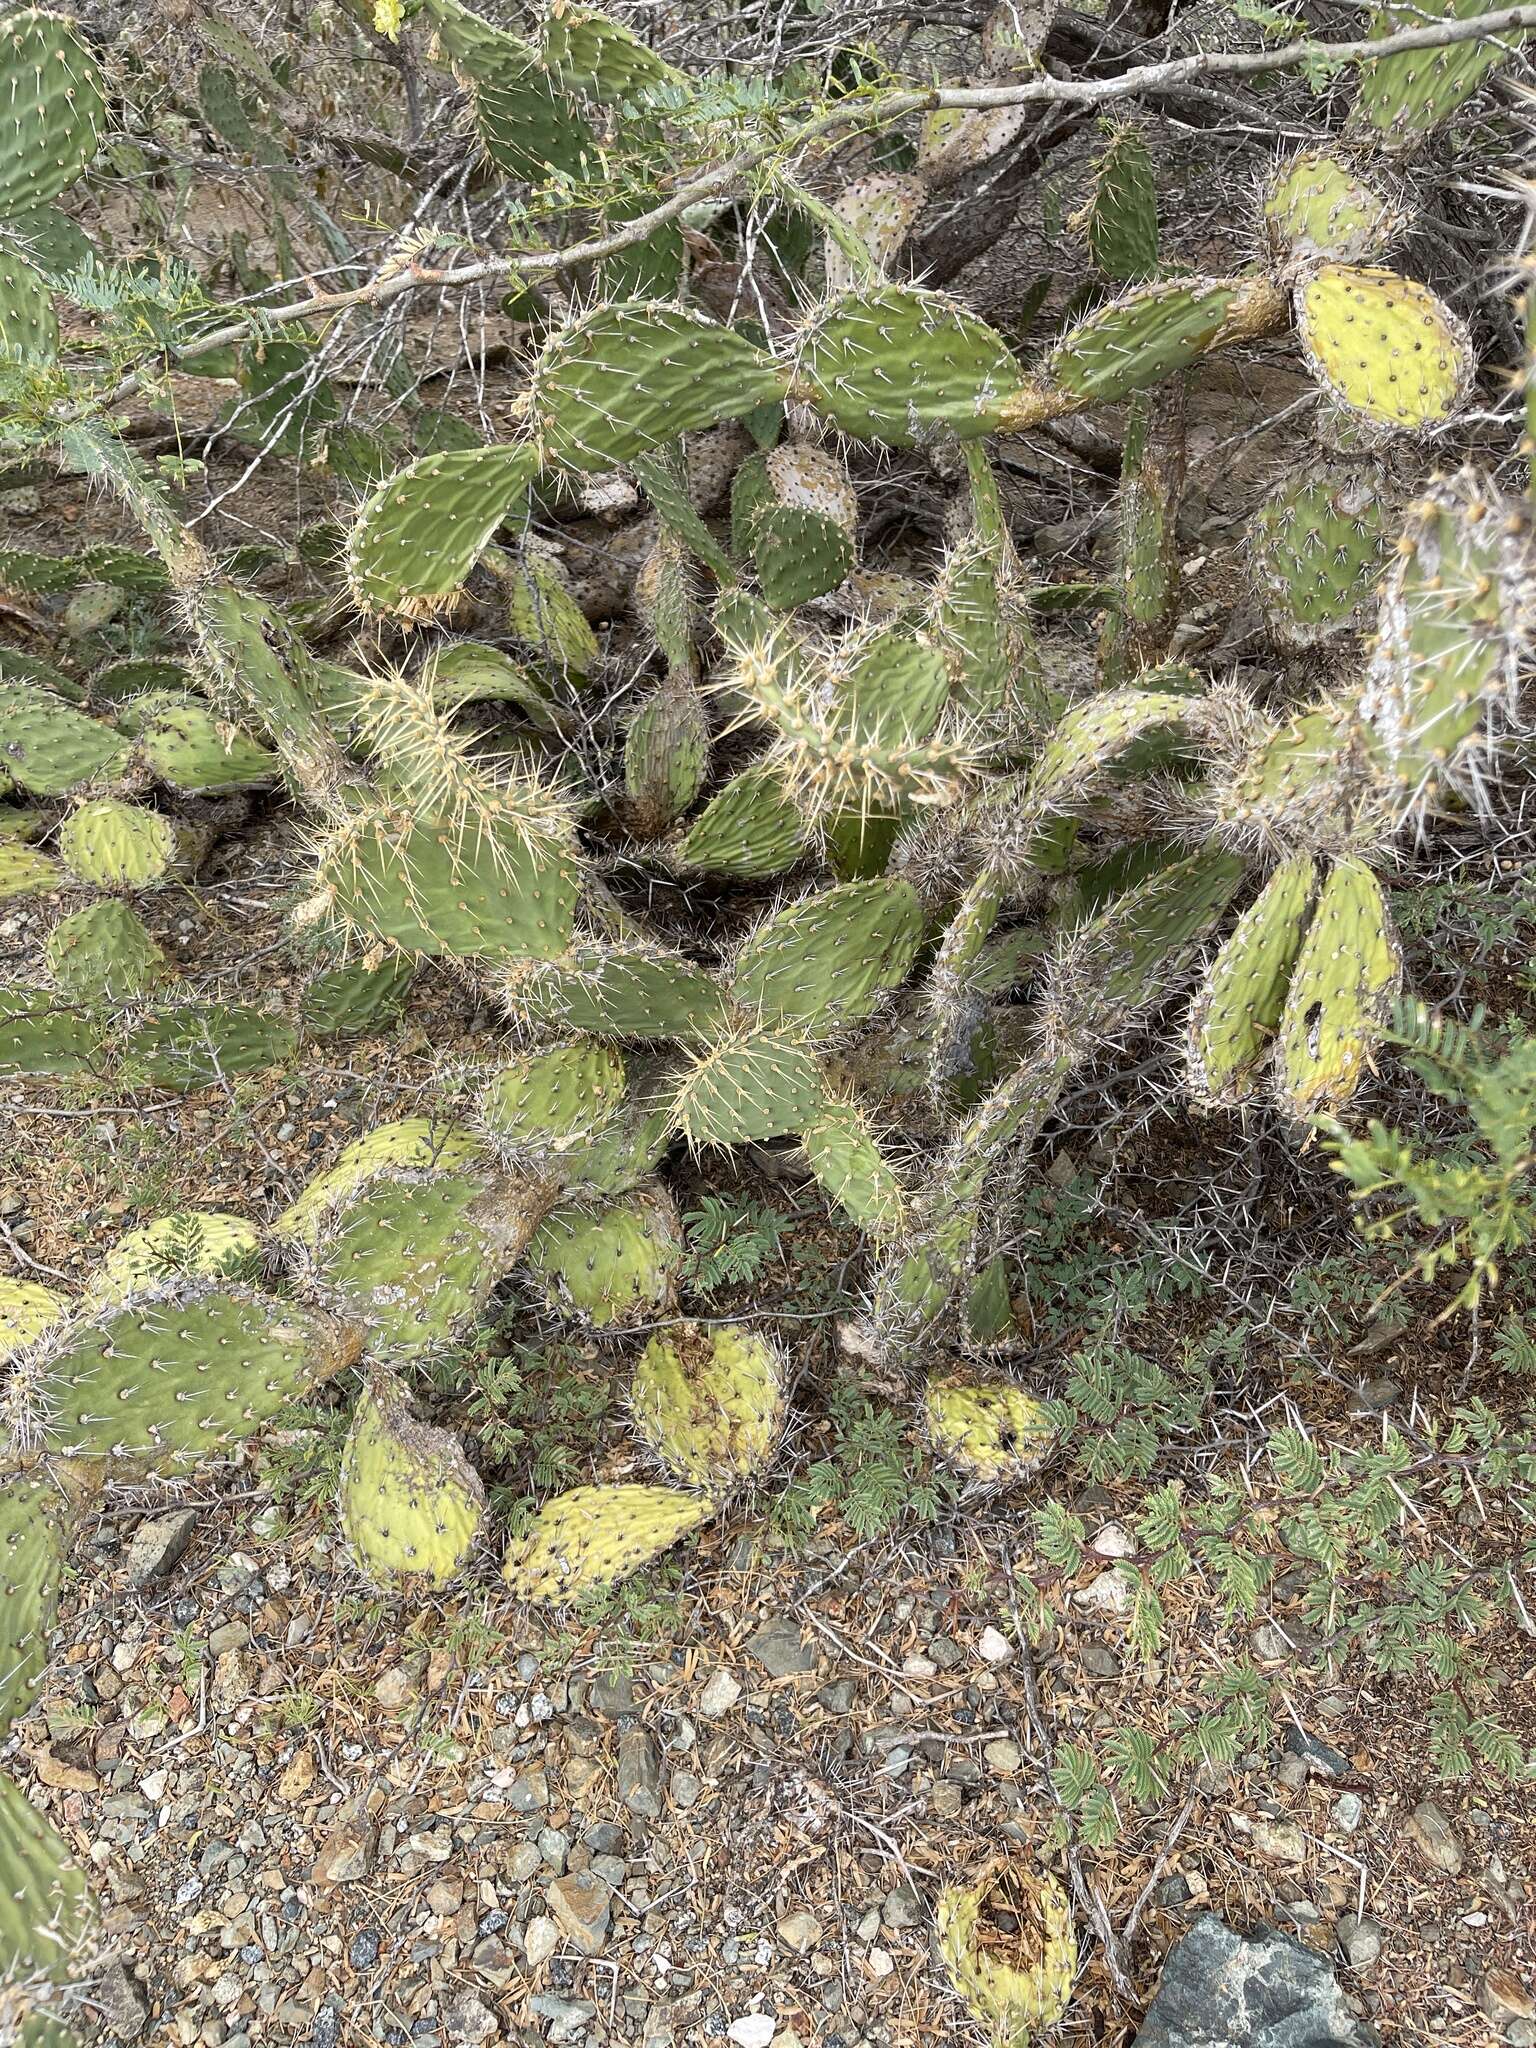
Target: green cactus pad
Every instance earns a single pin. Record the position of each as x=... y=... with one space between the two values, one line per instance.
x=1383 y=346
x=26 y=1311
x=196 y=1045
x=1014 y=1975
x=189 y=1244
x=1402 y=98
x=411 y=1503
x=32 y=1533
x=185 y=1373
x=113 y=845
x=1131 y=954
x=980 y=625
x=48 y=748
x=991 y=1431
x=752 y=1086
x=102 y=955
x=666 y=757
x=52 y=109
x=414 y=1256
x=629 y=991
x=343 y=1001
x=888 y=689
x=1091 y=736
x=595 y=1536
x=1318 y=548
x=625 y=379
x=1141 y=339
x=846 y=1159
x=610 y=1263
x=552 y=1102
x=1340 y=995
x=893 y=362
x=460 y=893
x=632 y=1144
x=1456 y=614
x=587 y=52
x=184 y=746
x=709 y=1402
x=421 y=532
x=36 y=1037
x=825 y=961
x=26 y=872
x=419 y=1144
x=45 y=1906
x=1120 y=218
x=1315 y=207
x=751 y=830
x=525 y=125
x=544 y=615
x=468 y=672
x=29 y=327
x=1237 y=1012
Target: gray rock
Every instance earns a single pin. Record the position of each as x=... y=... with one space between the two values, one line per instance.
x=612 y=1695
x=468 y=2023
x=1319 y=1757
x=568 y=2018
x=1437 y=1842
x=159 y=1546
x=1221 y=1989
x=1359 y=1938
x=640 y=1774
x=582 y=1908
x=719 y=1695
x=837 y=1697
x=123 y=2000
x=781 y=1649
x=902 y=1908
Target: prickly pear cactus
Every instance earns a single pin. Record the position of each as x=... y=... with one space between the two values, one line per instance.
x=1018 y=1983
x=990 y=1431
x=594 y=1536
x=709 y=1402
x=411 y=1504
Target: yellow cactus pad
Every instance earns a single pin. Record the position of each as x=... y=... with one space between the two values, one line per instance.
x=1383 y=345
x=709 y=1402
x=418 y=1144
x=410 y=1501
x=192 y=1243
x=991 y=1430
x=594 y=1536
x=26 y=1310
x=1013 y=1983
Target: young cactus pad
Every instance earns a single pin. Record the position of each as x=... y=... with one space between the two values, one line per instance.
x=709 y=1401
x=595 y=1536
x=1233 y=1023
x=1340 y=993
x=1015 y=1983
x=191 y=1244
x=102 y=954
x=421 y=1144
x=411 y=1503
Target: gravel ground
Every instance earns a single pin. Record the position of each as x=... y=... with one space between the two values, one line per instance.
x=315 y=1819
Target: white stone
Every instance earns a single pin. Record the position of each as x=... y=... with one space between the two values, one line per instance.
x=719 y=1696
x=752 y=2030
x=881 y=1962
x=1110 y=1593
x=994 y=1647
x=541 y=1937
x=1114 y=1540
